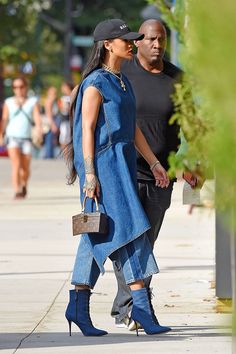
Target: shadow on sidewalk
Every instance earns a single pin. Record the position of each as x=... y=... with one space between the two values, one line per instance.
x=62 y=339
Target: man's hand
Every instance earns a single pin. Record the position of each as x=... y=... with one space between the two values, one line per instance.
x=161 y=177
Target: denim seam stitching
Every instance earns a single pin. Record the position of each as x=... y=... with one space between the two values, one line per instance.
x=126 y=243
x=107 y=124
x=106 y=146
x=132 y=280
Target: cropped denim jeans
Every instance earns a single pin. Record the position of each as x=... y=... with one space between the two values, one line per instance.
x=136 y=259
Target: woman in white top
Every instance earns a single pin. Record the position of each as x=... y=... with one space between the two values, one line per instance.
x=51 y=110
x=20 y=113
x=65 y=137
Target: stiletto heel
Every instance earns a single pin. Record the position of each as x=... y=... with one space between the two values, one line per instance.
x=69 y=327
x=143 y=313
x=136 y=327
x=78 y=312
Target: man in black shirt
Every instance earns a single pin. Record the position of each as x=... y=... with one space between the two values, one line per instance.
x=153 y=80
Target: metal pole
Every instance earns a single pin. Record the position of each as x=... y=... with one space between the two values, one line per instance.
x=67 y=39
x=223 y=259
x=233 y=277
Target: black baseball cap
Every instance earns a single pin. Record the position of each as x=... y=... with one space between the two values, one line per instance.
x=114 y=28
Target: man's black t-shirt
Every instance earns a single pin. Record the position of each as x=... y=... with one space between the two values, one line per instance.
x=154 y=108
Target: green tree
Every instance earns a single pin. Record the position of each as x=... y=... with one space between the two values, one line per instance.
x=205 y=102
x=24 y=38
x=36 y=30
x=92 y=12
x=190 y=107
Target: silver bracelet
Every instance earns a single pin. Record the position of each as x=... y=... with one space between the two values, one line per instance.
x=154 y=164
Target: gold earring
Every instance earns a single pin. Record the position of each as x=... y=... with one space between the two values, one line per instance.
x=111 y=50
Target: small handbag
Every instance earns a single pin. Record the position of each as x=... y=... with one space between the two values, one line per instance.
x=36 y=137
x=93 y=222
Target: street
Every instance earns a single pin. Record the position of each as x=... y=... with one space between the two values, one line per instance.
x=36 y=259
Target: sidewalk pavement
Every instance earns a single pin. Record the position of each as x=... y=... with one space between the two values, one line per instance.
x=37 y=254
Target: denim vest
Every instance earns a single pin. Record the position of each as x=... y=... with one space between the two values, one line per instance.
x=115 y=164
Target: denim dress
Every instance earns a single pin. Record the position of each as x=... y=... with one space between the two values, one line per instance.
x=115 y=165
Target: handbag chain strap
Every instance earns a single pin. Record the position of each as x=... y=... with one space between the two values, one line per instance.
x=20 y=109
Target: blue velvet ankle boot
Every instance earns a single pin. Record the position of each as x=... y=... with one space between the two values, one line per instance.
x=78 y=312
x=150 y=296
x=142 y=313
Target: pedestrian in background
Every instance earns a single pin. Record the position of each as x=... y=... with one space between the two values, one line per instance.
x=20 y=113
x=52 y=122
x=102 y=153
x=64 y=105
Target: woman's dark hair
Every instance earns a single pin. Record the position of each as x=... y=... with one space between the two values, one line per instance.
x=95 y=61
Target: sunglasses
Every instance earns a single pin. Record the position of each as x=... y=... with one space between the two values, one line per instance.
x=18 y=87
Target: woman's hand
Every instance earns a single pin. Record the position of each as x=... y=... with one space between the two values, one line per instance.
x=161 y=177
x=91 y=186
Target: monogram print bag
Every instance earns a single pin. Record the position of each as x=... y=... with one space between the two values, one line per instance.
x=93 y=222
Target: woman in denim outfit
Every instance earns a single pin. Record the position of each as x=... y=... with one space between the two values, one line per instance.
x=102 y=153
